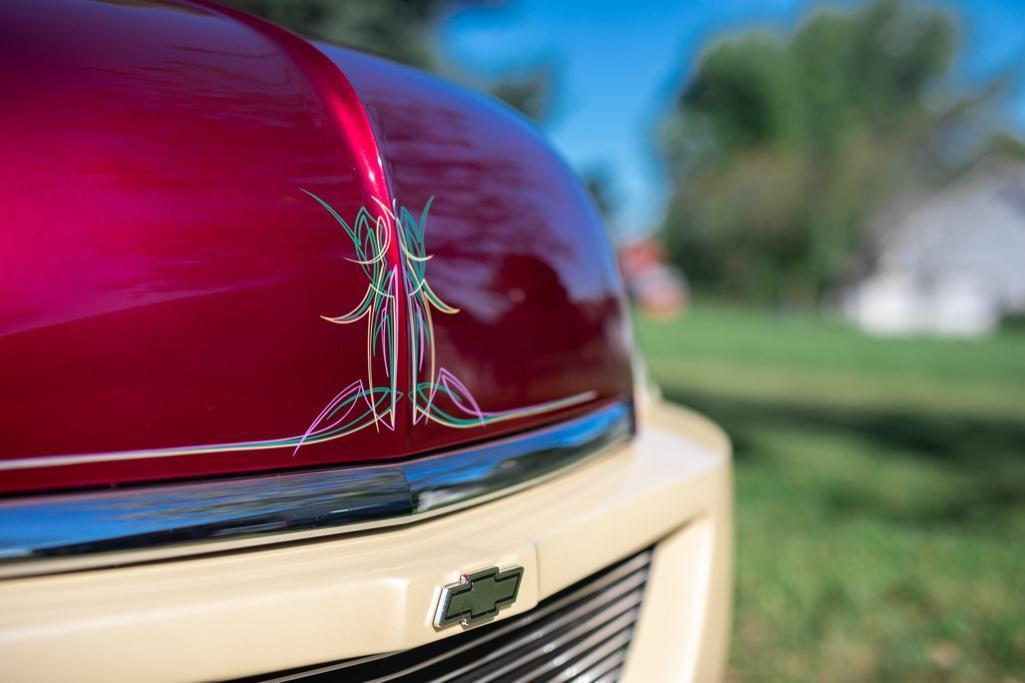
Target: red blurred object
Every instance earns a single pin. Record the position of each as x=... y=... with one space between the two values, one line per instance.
x=164 y=273
x=655 y=286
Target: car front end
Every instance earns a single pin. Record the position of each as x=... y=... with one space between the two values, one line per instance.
x=319 y=367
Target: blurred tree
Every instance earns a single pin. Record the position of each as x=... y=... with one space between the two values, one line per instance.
x=599 y=180
x=780 y=149
x=402 y=30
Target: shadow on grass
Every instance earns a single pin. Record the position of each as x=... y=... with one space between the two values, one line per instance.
x=988 y=454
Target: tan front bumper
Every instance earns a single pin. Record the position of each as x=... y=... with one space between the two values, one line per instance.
x=261 y=611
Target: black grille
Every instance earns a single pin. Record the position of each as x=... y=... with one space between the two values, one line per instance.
x=581 y=633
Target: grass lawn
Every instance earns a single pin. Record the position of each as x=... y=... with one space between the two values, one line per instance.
x=880 y=494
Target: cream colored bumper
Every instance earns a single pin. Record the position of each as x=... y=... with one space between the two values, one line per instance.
x=261 y=611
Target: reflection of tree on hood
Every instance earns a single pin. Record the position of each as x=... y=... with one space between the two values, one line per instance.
x=402 y=30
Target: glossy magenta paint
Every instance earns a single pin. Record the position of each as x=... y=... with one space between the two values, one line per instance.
x=515 y=241
x=163 y=276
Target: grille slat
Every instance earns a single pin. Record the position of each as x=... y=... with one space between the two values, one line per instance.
x=613 y=675
x=619 y=630
x=582 y=633
x=615 y=644
x=603 y=667
x=526 y=655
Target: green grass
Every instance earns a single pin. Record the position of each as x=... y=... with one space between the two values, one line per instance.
x=880 y=490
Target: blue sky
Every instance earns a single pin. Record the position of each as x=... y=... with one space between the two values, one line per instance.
x=620 y=63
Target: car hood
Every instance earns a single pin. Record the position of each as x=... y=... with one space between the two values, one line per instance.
x=227 y=250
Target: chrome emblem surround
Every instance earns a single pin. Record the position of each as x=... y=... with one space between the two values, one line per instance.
x=477 y=597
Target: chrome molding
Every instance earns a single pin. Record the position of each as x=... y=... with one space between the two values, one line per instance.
x=83 y=530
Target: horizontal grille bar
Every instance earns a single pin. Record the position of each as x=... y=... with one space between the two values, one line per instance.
x=581 y=633
x=605 y=669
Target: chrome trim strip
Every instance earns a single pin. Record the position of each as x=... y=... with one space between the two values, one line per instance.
x=188 y=518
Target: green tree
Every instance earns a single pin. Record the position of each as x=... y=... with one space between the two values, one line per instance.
x=781 y=148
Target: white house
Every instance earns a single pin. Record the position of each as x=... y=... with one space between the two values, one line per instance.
x=953 y=266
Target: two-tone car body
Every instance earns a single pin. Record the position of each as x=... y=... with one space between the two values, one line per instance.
x=314 y=365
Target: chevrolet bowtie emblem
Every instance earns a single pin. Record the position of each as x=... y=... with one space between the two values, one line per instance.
x=478 y=596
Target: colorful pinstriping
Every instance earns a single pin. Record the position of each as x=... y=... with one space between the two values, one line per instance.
x=435 y=394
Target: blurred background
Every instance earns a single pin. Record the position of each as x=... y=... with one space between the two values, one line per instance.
x=820 y=213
